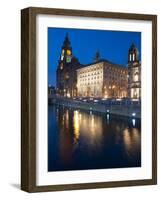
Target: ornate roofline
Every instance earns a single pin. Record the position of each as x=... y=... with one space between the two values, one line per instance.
x=102 y=61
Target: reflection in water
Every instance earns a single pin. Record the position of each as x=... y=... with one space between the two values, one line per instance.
x=86 y=140
x=108 y=118
x=133 y=122
x=76 y=124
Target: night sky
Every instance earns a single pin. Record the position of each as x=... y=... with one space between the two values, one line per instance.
x=112 y=45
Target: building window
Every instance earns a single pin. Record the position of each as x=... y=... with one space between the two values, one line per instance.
x=136 y=77
x=133 y=56
x=61 y=66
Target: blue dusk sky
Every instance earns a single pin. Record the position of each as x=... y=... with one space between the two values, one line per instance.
x=112 y=45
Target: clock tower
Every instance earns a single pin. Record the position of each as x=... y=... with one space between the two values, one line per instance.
x=134 y=73
x=66 y=70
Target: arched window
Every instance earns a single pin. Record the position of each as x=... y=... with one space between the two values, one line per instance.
x=136 y=76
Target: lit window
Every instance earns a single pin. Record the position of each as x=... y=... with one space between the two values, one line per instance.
x=61 y=66
x=136 y=77
x=62 y=57
x=133 y=56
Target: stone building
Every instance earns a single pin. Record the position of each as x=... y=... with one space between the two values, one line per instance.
x=134 y=73
x=101 y=79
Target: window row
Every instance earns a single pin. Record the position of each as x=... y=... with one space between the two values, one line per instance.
x=90 y=74
x=91 y=78
x=89 y=83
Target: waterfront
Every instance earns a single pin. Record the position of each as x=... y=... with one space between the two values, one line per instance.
x=123 y=107
x=86 y=140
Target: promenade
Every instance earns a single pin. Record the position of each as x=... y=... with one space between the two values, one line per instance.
x=122 y=107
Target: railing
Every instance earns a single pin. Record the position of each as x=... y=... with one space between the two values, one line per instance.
x=124 y=107
x=102 y=101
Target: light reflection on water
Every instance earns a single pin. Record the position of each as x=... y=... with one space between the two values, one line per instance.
x=76 y=125
x=133 y=122
x=86 y=140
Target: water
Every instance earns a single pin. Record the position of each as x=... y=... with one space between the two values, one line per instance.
x=80 y=140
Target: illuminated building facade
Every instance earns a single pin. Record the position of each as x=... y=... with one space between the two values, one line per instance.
x=102 y=79
x=99 y=79
x=134 y=73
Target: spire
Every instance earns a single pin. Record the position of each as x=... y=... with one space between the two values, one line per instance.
x=66 y=43
x=133 y=48
x=97 y=56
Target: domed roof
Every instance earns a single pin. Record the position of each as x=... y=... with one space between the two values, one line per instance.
x=133 y=48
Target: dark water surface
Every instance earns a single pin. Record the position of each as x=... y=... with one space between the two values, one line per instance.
x=80 y=139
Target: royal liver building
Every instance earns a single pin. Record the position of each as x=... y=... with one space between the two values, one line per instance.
x=101 y=78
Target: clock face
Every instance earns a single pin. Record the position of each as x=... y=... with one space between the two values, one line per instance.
x=68 y=52
x=68 y=59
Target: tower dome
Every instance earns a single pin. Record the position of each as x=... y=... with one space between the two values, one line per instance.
x=133 y=55
x=133 y=48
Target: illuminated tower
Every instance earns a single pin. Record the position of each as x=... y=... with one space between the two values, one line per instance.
x=66 y=70
x=134 y=73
